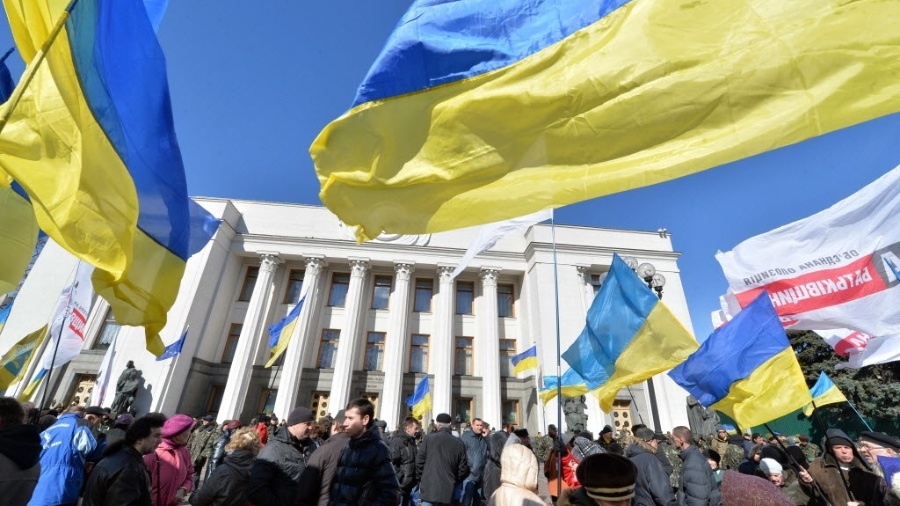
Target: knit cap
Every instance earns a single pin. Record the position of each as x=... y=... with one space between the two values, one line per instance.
x=300 y=414
x=770 y=466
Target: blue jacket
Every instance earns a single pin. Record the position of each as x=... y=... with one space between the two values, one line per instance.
x=476 y=454
x=66 y=446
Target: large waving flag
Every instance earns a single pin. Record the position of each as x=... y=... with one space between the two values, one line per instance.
x=420 y=401
x=747 y=368
x=525 y=360
x=823 y=392
x=92 y=141
x=15 y=362
x=280 y=333
x=629 y=336
x=515 y=106
x=832 y=269
x=572 y=385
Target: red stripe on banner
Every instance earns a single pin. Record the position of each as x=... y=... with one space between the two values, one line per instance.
x=820 y=289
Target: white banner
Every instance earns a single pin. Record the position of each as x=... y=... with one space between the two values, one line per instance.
x=489 y=234
x=99 y=396
x=70 y=317
x=830 y=270
x=878 y=350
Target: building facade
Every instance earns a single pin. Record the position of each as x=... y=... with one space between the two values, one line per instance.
x=376 y=318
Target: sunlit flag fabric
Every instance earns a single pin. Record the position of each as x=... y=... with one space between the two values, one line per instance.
x=525 y=360
x=572 y=386
x=280 y=333
x=4 y=315
x=33 y=385
x=16 y=360
x=175 y=348
x=513 y=106
x=823 y=392
x=93 y=143
x=746 y=368
x=629 y=336
x=420 y=401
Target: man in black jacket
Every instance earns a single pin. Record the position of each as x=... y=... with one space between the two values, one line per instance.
x=441 y=464
x=276 y=472
x=652 y=487
x=698 y=485
x=403 y=457
x=20 y=454
x=476 y=457
x=364 y=474
x=121 y=478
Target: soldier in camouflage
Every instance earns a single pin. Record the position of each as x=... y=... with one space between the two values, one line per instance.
x=734 y=453
x=810 y=450
x=201 y=444
x=671 y=454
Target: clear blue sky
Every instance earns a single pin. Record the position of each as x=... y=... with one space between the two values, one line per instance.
x=251 y=88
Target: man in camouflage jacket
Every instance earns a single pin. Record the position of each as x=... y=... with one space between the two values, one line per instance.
x=201 y=444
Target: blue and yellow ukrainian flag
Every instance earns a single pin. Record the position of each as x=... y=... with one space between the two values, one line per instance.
x=823 y=392
x=280 y=333
x=515 y=106
x=629 y=336
x=747 y=368
x=15 y=362
x=92 y=141
x=420 y=401
x=26 y=394
x=4 y=315
x=572 y=385
x=525 y=360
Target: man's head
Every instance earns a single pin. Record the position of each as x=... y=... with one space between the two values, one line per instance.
x=757 y=438
x=208 y=419
x=772 y=470
x=509 y=428
x=300 y=422
x=94 y=415
x=145 y=433
x=721 y=433
x=682 y=437
x=607 y=479
x=606 y=434
x=875 y=444
x=551 y=430
x=442 y=420
x=11 y=412
x=382 y=426
x=485 y=429
x=360 y=414
x=523 y=436
x=802 y=439
x=477 y=426
x=337 y=424
x=647 y=435
x=410 y=426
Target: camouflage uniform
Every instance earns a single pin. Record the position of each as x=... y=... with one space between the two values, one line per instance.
x=542 y=447
x=671 y=454
x=721 y=447
x=733 y=457
x=811 y=450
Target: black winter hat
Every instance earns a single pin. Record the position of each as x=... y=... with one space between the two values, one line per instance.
x=607 y=477
x=300 y=414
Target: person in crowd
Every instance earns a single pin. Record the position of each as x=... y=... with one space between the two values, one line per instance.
x=720 y=442
x=877 y=444
x=698 y=486
x=441 y=464
x=606 y=437
x=218 y=453
x=227 y=485
x=810 y=450
x=45 y=421
x=20 y=454
x=262 y=428
x=652 y=485
x=796 y=457
x=273 y=426
x=203 y=440
x=785 y=479
x=171 y=471
x=122 y=478
x=66 y=446
x=606 y=480
x=315 y=482
x=476 y=456
x=403 y=457
x=276 y=472
x=518 y=478
x=493 y=465
x=364 y=474
x=842 y=475
x=751 y=465
x=118 y=430
x=714 y=460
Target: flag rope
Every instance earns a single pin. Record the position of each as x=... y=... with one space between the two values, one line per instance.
x=559 y=425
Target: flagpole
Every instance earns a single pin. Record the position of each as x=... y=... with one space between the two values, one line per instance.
x=558 y=352
x=860 y=416
x=53 y=357
x=641 y=418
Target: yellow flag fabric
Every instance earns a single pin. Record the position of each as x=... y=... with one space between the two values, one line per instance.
x=15 y=362
x=18 y=235
x=651 y=91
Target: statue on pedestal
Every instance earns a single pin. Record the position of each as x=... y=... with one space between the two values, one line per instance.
x=126 y=389
x=702 y=420
x=576 y=418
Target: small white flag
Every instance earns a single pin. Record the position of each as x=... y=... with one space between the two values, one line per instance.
x=492 y=232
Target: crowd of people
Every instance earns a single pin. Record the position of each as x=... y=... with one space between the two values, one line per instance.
x=92 y=457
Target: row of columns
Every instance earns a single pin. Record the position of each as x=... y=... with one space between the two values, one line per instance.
x=441 y=344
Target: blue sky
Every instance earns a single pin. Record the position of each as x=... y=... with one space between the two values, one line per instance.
x=252 y=87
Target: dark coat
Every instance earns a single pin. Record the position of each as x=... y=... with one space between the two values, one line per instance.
x=698 y=485
x=491 y=482
x=364 y=474
x=218 y=452
x=276 y=473
x=476 y=454
x=20 y=462
x=866 y=486
x=652 y=487
x=120 y=479
x=403 y=457
x=575 y=497
x=440 y=465
x=315 y=482
x=227 y=485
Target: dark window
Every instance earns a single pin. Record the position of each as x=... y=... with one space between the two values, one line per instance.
x=504 y=301
x=249 y=284
x=374 y=351
x=418 y=353
x=339 y=285
x=381 y=292
x=234 y=332
x=294 y=286
x=465 y=296
x=424 y=292
x=328 y=348
x=464 y=356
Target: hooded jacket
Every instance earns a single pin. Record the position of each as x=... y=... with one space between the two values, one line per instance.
x=865 y=485
x=20 y=462
x=364 y=473
x=652 y=486
x=492 y=466
x=518 y=477
x=227 y=485
x=66 y=446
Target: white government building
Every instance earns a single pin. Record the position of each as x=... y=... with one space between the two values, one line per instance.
x=376 y=318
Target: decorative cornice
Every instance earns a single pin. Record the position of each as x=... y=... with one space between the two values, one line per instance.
x=404 y=270
x=315 y=265
x=489 y=276
x=358 y=267
x=269 y=261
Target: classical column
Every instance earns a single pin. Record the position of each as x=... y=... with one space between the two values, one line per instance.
x=441 y=344
x=488 y=348
x=252 y=332
x=348 y=345
x=396 y=346
x=289 y=382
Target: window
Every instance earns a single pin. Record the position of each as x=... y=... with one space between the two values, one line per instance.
x=597 y=281
x=249 y=284
x=381 y=292
x=108 y=332
x=463 y=409
x=374 y=351
x=424 y=292
x=418 y=353
x=318 y=404
x=465 y=295
x=267 y=401
x=463 y=363
x=234 y=332
x=215 y=398
x=294 y=286
x=339 y=285
x=507 y=352
x=328 y=348
x=510 y=412
x=505 y=301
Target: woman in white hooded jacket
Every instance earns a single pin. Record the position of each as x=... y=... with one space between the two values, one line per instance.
x=518 y=478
